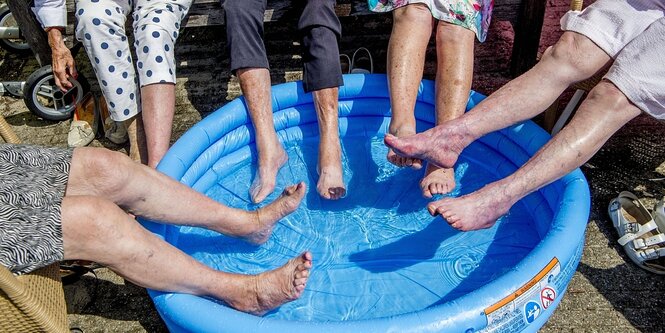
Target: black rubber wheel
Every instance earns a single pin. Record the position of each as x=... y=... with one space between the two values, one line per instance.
x=46 y=100
x=18 y=45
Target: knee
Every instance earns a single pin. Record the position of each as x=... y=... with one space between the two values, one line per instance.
x=92 y=19
x=86 y=219
x=106 y=170
x=608 y=97
x=568 y=57
x=410 y=14
x=453 y=34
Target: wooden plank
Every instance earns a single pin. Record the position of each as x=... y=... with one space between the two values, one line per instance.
x=31 y=30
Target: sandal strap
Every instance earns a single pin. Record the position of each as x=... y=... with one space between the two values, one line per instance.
x=641 y=243
x=650 y=254
x=633 y=230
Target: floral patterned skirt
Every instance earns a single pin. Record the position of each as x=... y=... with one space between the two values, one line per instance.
x=474 y=15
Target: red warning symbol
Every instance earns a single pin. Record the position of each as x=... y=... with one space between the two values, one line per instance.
x=547 y=296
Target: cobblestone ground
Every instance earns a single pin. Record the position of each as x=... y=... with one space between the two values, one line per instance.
x=607 y=293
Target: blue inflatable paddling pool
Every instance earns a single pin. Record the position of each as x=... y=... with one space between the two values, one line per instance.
x=381 y=262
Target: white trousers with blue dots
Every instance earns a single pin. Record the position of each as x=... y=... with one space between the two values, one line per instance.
x=101 y=29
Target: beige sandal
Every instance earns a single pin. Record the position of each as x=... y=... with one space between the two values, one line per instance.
x=640 y=234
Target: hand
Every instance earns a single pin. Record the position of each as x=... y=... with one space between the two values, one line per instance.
x=62 y=61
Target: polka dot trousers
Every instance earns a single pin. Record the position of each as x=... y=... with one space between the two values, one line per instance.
x=101 y=29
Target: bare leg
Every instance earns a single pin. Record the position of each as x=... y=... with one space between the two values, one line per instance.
x=573 y=58
x=412 y=28
x=331 y=178
x=158 y=105
x=604 y=112
x=145 y=192
x=96 y=229
x=137 y=144
x=255 y=85
x=454 y=73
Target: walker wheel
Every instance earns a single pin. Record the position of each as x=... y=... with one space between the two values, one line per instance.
x=14 y=45
x=46 y=100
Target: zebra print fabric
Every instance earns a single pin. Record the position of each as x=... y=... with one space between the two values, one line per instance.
x=32 y=184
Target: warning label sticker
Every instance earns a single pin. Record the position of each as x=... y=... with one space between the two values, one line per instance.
x=547 y=296
x=523 y=306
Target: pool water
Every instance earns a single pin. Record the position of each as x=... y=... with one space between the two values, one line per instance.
x=377 y=252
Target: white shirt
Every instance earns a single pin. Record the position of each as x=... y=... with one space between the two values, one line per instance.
x=51 y=13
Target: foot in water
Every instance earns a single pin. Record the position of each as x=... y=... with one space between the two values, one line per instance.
x=266 y=175
x=331 y=177
x=437 y=181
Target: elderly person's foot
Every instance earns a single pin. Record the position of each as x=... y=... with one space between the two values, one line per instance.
x=331 y=177
x=440 y=145
x=268 y=216
x=402 y=161
x=437 y=181
x=266 y=175
x=266 y=291
x=477 y=210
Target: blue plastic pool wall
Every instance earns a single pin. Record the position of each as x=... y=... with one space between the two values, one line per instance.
x=228 y=131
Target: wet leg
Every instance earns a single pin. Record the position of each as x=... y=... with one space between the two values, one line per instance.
x=96 y=229
x=454 y=48
x=255 y=85
x=572 y=59
x=604 y=112
x=145 y=192
x=412 y=28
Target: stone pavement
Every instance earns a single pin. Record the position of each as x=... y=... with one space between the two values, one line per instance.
x=607 y=293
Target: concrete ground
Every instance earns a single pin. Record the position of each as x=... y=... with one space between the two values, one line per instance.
x=608 y=293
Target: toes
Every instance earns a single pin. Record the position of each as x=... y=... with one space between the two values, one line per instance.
x=431 y=208
x=303 y=274
x=307 y=256
x=290 y=190
x=427 y=194
x=434 y=188
x=416 y=164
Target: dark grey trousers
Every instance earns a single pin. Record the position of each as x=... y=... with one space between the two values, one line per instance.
x=320 y=30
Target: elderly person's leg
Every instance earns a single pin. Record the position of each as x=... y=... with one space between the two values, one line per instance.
x=137 y=145
x=244 y=34
x=584 y=48
x=454 y=73
x=101 y=30
x=96 y=229
x=322 y=76
x=156 y=27
x=255 y=85
x=158 y=104
x=145 y=192
x=605 y=111
x=573 y=58
x=412 y=28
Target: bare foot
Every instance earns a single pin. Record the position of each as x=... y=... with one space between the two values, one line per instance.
x=477 y=210
x=399 y=160
x=264 y=181
x=437 y=181
x=268 y=216
x=269 y=290
x=440 y=145
x=331 y=177
x=331 y=183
